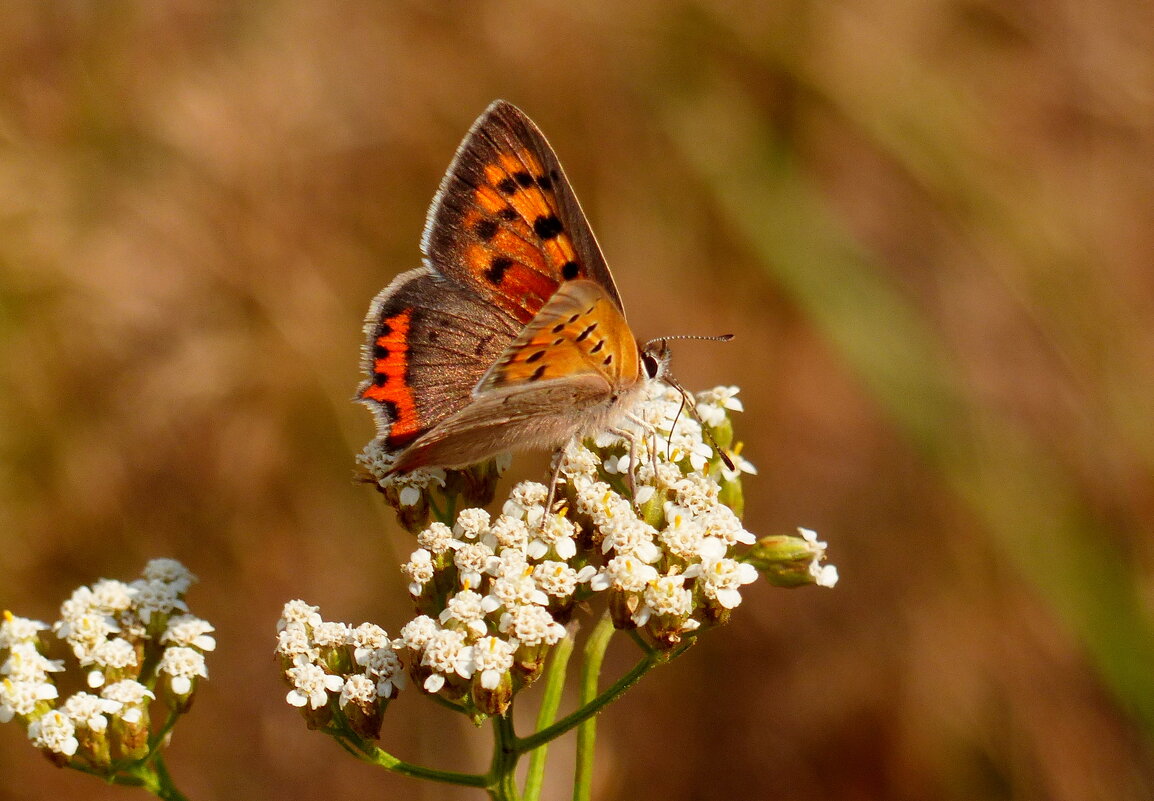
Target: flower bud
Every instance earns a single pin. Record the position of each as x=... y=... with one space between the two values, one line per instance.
x=129 y=727
x=622 y=606
x=529 y=661
x=415 y=517
x=364 y=710
x=789 y=561
x=128 y=735
x=731 y=495
x=94 y=749
x=495 y=700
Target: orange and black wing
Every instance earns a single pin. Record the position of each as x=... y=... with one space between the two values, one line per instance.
x=428 y=342
x=579 y=332
x=503 y=233
x=506 y=223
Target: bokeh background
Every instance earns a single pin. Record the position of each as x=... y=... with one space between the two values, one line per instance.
x=930 y=225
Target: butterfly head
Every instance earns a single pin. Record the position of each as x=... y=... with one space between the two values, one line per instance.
x=655 y=357
x=656 y=354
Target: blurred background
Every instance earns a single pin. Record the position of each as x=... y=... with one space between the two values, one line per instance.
x=929 y=225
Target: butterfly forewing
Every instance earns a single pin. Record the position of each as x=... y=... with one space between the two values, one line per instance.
x=505 y=221
x=580 y=331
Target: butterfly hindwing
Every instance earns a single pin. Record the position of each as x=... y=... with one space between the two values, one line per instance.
x=428 y=343
x=537 y=415
x=505 y=221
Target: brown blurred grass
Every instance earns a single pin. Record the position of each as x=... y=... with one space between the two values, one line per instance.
x=929 y=225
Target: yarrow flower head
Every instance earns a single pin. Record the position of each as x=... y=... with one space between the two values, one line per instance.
x=132 y=648
x=414 y=494
x=334 y=669
x=648 y=516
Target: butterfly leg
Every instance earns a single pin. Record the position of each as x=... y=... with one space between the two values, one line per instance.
x=649 y=436
x=554 y=482
x=630 y=477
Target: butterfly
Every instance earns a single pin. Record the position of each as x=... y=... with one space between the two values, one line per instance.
x=511 y=335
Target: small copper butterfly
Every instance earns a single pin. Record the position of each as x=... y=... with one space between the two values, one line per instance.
x=511 y=335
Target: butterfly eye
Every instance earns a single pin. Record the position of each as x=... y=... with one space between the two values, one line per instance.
x=652 y=366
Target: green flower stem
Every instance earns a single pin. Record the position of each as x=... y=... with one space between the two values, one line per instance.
x=587 y=731
x=370 y=753
x=166 y=789
x=550 y=703
x=451 y=511
x=501 y=779
x=440 y=700
x=537 y=739
x=440 y=516
x=158 y=736
x=152 y=775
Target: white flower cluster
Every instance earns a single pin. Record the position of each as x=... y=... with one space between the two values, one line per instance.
x=493 y=595
x=114 y=630
x=644 y=515
x=667 y=558
x=644 y=522
x=408 y=490
x=409 y=487
x=324 y=661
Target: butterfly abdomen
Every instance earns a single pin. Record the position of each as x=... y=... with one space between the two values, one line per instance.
x=540 y=417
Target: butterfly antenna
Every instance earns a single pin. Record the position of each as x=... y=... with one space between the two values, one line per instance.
x=717 y=338
x=669 y=445
x=687 y=401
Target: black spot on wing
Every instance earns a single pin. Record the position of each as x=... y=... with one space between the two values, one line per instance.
x=585 y=334
x=485 y=228
x=523 y=179
x=535 y=357
x=506 y=186
x=540 y=371
x=547 y=226
x=497 y=268
x=570 y=270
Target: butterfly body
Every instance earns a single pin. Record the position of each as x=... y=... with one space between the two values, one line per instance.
x=512 y=335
